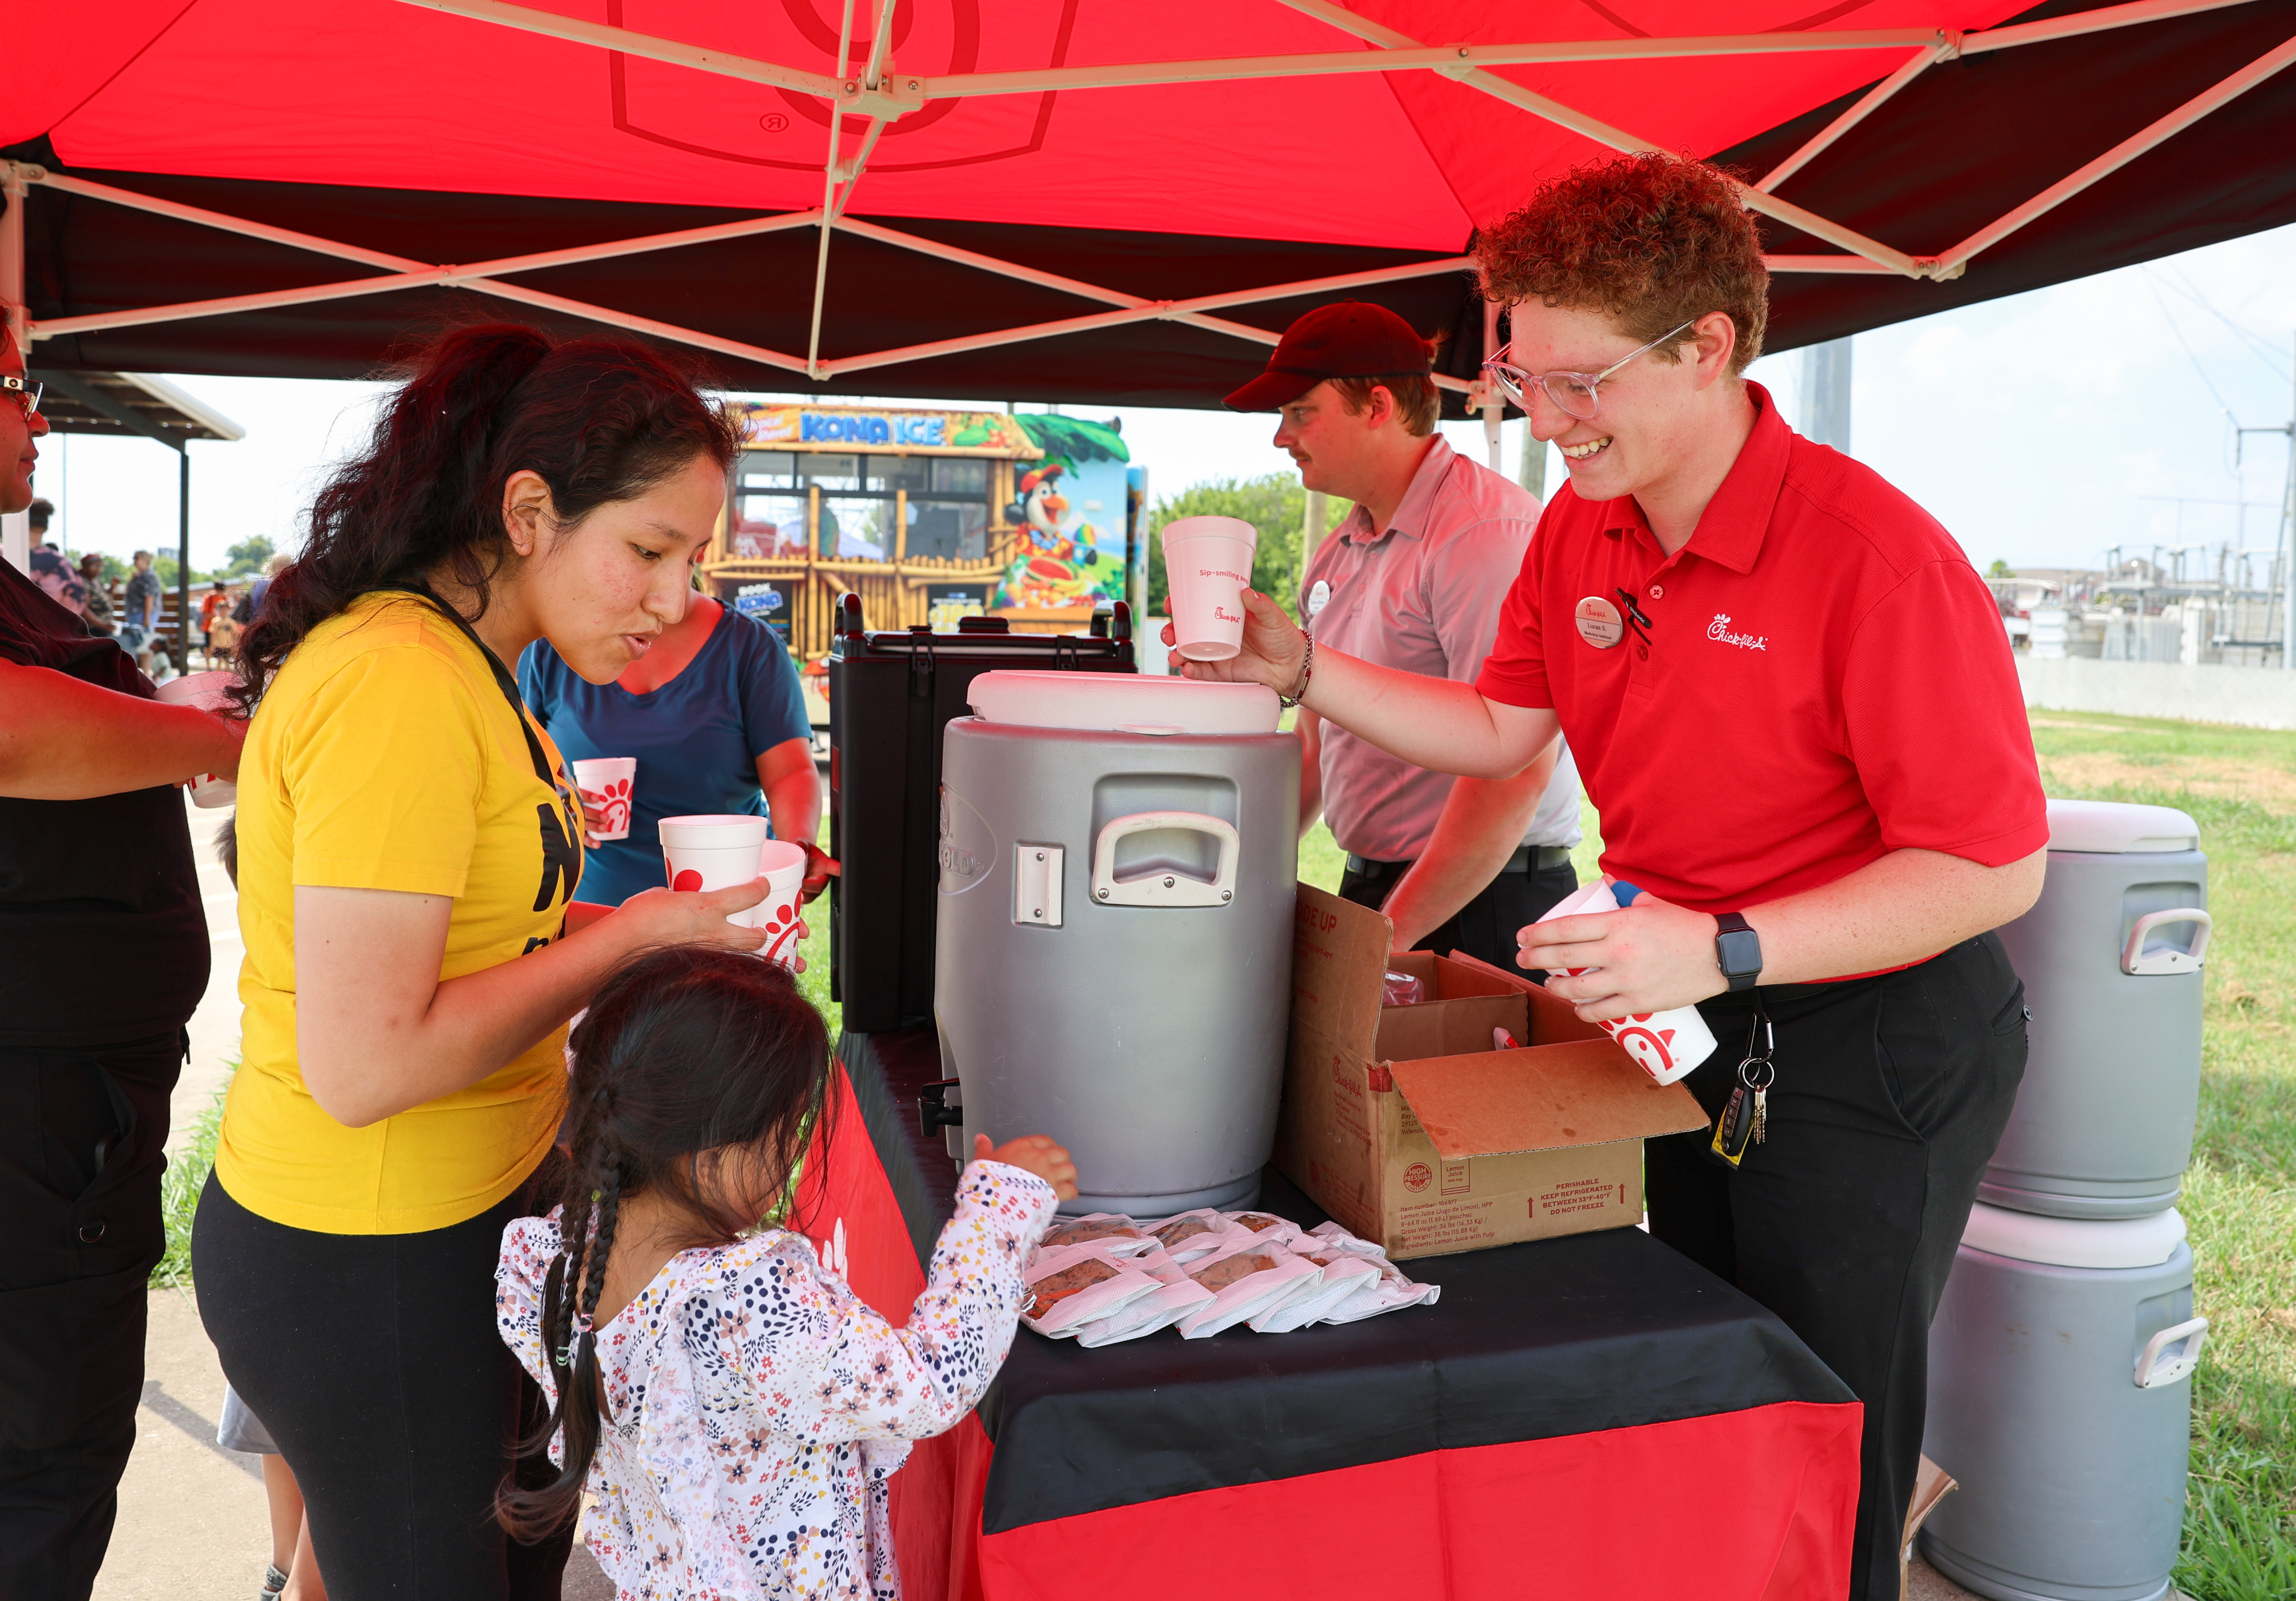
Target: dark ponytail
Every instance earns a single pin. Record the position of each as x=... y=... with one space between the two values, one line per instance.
x=599 y=420
x=683 y=1051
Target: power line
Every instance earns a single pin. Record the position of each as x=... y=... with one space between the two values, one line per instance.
x=2166 y=318
x=2261 y=347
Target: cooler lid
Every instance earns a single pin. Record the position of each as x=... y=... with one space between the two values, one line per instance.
x=1123 y=703
x=2075 y=1242
x=2115 y=827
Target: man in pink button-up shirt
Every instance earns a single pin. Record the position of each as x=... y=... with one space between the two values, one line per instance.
x=1413 y=579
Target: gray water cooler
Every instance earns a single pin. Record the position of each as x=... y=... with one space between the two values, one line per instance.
x=1113 y=961
x=2062 y=1352
x=2111 y=957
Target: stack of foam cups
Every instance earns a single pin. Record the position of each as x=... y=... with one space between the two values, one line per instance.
x=719 y=852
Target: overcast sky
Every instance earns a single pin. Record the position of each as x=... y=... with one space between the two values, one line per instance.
x=2040 y=429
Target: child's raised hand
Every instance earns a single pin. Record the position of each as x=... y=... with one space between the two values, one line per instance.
x=1038 y=1154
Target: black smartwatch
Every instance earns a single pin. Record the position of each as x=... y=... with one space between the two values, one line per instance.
x=1737 y=950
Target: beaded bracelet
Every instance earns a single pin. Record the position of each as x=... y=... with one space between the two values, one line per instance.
x=1307 y=672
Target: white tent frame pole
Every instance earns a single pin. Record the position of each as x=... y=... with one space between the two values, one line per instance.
x=1117 y=297
x=909 y=92
x=829 y=167
x=1466 y=63
x=2077 y=23
x=1602 y=133
x=723 y=63
x=409 y=273
x=1851 y=264
x=1874 y=99
x=18 y=190
x=1868 y=256
x=2159 y=131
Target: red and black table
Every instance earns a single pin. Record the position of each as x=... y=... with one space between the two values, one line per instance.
x=1590 y=1416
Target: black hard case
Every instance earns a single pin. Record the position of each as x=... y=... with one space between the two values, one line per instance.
x=890 y=696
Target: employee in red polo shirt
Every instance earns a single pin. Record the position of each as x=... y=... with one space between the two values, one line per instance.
x=1795 y=711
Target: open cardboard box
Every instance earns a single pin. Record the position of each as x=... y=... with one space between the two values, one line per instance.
x=1406 y=1126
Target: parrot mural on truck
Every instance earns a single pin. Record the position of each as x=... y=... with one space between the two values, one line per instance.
x=1072 y=511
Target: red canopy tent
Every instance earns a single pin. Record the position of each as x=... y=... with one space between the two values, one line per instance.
x=1100 y=203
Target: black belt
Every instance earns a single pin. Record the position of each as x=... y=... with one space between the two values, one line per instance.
x=1527 y=858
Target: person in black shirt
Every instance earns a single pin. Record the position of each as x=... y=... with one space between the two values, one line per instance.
x=96 y=880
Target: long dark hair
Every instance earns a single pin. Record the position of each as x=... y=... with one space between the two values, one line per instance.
x=599 y=420
x=685 y=1049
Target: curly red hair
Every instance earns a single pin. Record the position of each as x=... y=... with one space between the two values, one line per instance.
x=1651 y=240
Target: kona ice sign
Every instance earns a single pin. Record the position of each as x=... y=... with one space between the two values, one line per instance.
x=844 y=428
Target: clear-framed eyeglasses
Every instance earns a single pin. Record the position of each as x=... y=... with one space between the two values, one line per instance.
x=1574 y=394
x=24 y=392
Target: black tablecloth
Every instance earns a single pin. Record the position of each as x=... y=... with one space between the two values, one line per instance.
x=1548 y=1338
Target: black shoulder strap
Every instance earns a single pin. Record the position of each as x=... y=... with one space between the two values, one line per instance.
x=503 y=680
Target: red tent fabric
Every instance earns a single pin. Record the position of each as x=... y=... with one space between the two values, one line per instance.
x=434 y=131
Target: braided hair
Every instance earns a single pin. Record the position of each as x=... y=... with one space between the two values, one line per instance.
x=685 y=1052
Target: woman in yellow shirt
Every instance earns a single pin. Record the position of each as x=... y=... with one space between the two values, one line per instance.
x=409 y=846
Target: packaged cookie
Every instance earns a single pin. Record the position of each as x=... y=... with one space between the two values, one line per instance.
x=1249 y=1277
x=1338 y=1238
x=1137 y=1319
x=1344 y=1275
x=1189 y=1234
x=1263 y=1223
x=1073 y=1285
x=1118 y=1233
x=1389 y=1291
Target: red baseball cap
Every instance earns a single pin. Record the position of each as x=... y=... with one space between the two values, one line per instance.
x=1351 y=339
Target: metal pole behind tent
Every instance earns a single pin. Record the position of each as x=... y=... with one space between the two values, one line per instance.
x=2288 y=537
x=1825 y=393
x=184 y=559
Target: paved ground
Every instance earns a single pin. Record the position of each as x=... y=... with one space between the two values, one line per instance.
x=192 y=1524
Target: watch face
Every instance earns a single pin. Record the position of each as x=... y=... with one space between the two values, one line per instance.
x=1738 y=952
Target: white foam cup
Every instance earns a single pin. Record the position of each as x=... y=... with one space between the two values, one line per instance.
x=209 y=692
x=1207 y=568
x=714 y=853
x=610 y=778
x=781 y=863
x=1665 y=1045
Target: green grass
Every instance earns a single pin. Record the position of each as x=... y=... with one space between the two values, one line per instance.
x=179 y=1195
x=2240 y=1197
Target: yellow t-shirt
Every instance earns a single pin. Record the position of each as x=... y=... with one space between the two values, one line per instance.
x=385 y=756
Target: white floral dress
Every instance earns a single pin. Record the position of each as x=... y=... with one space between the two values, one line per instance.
x=758 y=1406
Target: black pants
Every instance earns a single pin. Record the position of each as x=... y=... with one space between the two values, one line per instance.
x=374 y=1362
x=1892 y=1094
x=81 y=1136
x=1485 y=927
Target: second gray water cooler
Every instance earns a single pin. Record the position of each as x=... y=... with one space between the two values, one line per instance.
x=1113 y=963
x=2061 y=1398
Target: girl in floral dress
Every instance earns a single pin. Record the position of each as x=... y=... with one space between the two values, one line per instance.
x=731 y=1405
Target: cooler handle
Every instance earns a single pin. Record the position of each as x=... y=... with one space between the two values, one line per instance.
x=2172 y=1354
x=2136 y=959
x=1159 y=888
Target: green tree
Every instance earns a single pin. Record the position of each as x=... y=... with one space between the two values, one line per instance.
x=164 y=569
x=1274 y=505
x=247 y=556
x=1999 y=569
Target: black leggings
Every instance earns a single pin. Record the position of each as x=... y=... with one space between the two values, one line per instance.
x=374 y=1362
x=1891 y=1093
